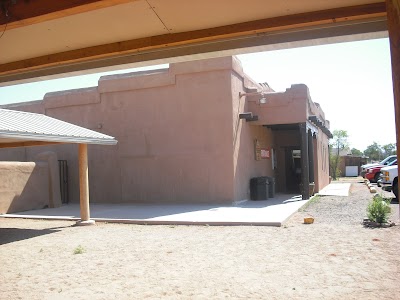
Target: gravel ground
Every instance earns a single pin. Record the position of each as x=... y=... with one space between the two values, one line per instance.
x=345 y=210
x=334 y=258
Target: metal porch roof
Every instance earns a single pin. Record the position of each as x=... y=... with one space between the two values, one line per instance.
x=17 y=126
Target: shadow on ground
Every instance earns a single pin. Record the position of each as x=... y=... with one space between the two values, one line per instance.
x=10 y=235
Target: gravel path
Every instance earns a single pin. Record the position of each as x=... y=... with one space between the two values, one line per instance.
x=345 y=210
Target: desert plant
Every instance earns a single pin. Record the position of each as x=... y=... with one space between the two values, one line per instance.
x=378 y=209
x=79 y=250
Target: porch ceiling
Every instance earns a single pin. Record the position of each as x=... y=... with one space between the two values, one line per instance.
x=284 y=127
x=43 y=38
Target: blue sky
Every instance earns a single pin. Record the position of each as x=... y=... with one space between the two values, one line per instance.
x=351 y=81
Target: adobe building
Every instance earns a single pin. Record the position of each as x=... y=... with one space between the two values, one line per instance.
x=195 y=132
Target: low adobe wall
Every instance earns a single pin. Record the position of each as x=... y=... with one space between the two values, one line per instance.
x=23 y=186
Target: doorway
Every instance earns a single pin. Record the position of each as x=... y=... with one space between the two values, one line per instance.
x=293 y=169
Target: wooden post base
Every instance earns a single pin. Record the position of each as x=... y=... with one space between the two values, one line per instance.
x=85 y=223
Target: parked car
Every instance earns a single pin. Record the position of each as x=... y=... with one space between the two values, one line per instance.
x=389 y=179
x=373 y=173
x=384 y=162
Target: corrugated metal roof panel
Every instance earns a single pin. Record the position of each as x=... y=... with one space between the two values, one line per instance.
x=30 y=126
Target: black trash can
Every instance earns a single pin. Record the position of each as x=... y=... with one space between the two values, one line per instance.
x=271 y=193
x=259 y=188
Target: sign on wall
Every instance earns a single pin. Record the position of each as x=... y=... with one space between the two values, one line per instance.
x=260 y=151
x=265 y=153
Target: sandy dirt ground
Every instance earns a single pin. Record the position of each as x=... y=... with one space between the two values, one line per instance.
x=334 y=258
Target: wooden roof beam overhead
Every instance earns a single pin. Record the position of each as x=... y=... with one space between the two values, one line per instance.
x=75 y=59
x=19 y=13
x=27 y=144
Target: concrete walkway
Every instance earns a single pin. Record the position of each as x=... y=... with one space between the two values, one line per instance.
x=272 y=212
x=336 y=189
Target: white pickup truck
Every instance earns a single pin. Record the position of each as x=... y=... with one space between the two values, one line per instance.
x=388 y=180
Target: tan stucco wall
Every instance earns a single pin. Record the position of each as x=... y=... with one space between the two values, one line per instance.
x=322 y=179
x=174 y=132
x=244 y=134
x=23 y=186
x=179 y=135
x=287 y=107
x=245 y=164
x=54 y=177
x=174 y=140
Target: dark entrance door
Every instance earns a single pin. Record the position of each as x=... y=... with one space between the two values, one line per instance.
x=293 y=169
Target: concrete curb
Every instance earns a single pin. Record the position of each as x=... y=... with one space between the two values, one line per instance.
x=371 y=188
x=153 y=222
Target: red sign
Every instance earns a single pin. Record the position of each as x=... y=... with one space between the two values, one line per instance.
x=265 y=153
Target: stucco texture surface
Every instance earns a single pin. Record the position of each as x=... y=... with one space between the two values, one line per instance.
x=180 y=136
x=334 y=258
x=23 y=186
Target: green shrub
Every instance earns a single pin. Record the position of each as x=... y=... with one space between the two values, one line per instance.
x=378 y=209
x=79 y=250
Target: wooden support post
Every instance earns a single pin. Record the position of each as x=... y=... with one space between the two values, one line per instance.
x=305 y=194
x=393 y=17
x=84 y=186
x=317 y=166
x=310 y=155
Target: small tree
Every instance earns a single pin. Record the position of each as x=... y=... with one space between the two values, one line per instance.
x=338 y=143
x=374 y=151
x=389 y=149
x=356 y=152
